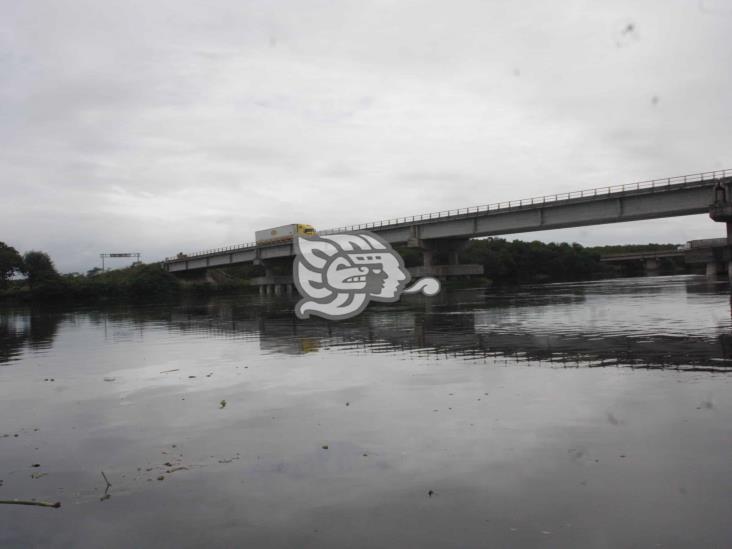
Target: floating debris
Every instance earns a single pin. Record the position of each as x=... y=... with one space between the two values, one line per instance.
x=222 y=404
x=55 y=505
x=175 y=469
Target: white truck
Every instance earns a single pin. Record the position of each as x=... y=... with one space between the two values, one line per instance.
x=283 y=233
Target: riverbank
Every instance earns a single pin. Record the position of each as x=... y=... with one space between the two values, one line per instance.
x=505 y=263
x=136 y=283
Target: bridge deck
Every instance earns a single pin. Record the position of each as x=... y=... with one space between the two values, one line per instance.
x=660 y=254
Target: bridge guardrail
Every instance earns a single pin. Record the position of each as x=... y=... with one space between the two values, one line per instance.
x=496 y=206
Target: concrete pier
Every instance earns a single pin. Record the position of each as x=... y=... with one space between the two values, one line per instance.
x=652 y=266
x=721 y=211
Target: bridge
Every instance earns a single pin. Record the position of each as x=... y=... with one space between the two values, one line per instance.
x=712 y=252
x=651 y=259
x=447 y=231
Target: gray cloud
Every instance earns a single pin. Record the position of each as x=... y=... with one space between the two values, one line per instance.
x=172 y=126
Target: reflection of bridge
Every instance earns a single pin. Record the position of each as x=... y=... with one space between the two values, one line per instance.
x=712 y=252
x=446 y=232
x=470 y=324
x=477 y=330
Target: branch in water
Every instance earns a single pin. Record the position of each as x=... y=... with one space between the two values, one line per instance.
x=30 y=502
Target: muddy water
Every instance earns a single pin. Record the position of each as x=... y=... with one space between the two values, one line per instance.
x=577 y=415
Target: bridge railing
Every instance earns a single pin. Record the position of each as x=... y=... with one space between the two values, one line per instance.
x=183 y=257
x=496 y=206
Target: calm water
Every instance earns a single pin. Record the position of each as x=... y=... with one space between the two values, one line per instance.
x=576 y=415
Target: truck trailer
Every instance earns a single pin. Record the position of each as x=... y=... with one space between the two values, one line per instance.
x=283 y=233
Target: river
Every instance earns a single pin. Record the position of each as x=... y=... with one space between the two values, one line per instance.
x=589 y=415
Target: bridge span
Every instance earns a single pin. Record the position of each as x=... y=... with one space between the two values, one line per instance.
x=448 y=230
x=714 y=253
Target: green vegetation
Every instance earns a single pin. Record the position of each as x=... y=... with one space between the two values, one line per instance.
x=43 y=282
x=39 y=269
x=520 y=262
x=10 y=264
x=632 y=248
x=137 y=282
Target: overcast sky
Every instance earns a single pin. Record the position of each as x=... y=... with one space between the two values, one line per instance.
x=173 y=126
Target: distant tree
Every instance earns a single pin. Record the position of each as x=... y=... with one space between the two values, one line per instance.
x=518 y=261
x=39 y=269
x=10 y=263
x=151 y=281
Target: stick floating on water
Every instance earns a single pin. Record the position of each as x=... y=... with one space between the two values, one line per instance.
x=55 y=505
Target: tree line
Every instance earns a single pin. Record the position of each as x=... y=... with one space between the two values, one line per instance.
x=519 y=262
x=42 y=280
x=37 y=267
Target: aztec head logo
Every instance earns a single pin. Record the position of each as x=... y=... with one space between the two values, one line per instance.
x=338 y=274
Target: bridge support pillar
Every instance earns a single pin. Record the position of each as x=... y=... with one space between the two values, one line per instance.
x=712 y=270
x=451 y=246
x=453 y=257
x=261 y=290
x=721 y=211
x=652 y=266
x=729 y=252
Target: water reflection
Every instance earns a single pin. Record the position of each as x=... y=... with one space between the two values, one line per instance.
x=661 y=322
x=33 y=329
x=678 y=322
x=343 y=429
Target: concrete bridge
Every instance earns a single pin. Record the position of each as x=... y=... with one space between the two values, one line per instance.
x=712 y=252
x=447 y=231
x=651 y=260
